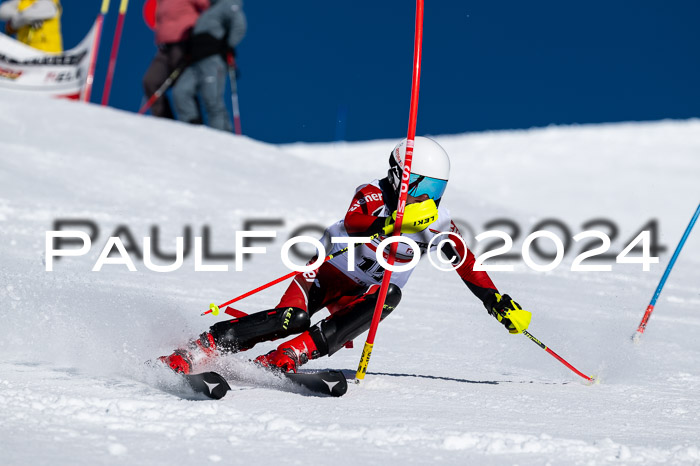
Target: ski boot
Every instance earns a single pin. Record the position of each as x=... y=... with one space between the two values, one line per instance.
x=290 y=355
x=330 y=335
x=200 y=350
x=232 y=336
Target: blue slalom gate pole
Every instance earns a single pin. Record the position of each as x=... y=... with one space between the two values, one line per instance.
x=650 y=308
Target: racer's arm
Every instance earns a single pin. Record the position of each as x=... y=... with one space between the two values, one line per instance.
x=502 y=307
x=478 y=281
x=362 y=217
x=367 y=204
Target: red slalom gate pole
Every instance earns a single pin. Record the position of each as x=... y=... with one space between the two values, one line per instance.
x=413 y=116
x=95 y=51
x=559 y=358
x=115 y=51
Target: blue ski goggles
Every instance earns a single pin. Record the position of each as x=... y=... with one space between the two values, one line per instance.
x=433 y=187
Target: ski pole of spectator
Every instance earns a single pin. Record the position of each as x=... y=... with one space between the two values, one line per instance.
x=662 y=282
x=161 y=90
x=234 y=92
x=115 y=51
x=95 y=51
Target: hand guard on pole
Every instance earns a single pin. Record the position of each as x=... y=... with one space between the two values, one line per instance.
x=416 y=217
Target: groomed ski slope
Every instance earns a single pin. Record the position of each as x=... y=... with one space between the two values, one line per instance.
x=447 y=385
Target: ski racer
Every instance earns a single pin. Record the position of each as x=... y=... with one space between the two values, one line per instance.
x=350 y=293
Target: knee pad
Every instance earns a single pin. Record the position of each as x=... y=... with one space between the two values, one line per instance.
x=393 y=298
x=244 y=333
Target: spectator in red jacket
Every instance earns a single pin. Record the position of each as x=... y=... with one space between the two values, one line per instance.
x=174 y=22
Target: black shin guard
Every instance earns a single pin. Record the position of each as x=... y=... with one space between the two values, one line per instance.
x=330 y=335
x=244 y=333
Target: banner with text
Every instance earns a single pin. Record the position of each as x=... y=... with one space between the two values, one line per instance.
x=26 y=69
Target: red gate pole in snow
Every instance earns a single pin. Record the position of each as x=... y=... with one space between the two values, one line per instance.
x=95 y=51
x=115 y=51
x=413 y=116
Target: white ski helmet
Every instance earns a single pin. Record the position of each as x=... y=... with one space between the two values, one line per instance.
x=430 y=168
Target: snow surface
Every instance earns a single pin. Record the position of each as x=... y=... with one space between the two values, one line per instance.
x=447 y=384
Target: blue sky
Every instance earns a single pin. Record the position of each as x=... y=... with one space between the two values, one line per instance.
x=321 y=71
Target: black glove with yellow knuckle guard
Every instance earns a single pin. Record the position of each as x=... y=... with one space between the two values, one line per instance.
x=508 y=312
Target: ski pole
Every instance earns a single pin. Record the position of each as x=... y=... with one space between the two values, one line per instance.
x=234 y=93
x=161 y=90
x=561 y=360
x=95 y=51
x=413 y=115
x=115 y=51
x=213 y=309
x=662 y=282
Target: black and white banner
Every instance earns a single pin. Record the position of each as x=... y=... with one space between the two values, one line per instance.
x=26 y=69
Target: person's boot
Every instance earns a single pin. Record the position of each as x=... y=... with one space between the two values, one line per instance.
x=198 y=351
x=290 y=355
x=239 y=334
